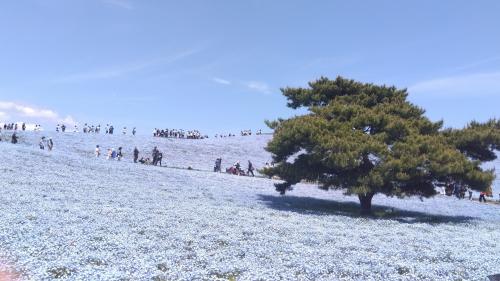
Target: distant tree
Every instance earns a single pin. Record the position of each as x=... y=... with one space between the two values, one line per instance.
x=367 y=139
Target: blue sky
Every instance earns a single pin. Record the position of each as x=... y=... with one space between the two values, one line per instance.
x=218 y=65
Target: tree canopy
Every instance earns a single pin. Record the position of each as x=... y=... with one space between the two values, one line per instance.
x=367 y=139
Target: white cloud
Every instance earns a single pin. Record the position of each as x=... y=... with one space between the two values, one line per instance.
x=124 y=69
x=120 y=4
x=478 y=63
x=471 y=85
x=221 y=81
x=11 y=110
x=259 y=87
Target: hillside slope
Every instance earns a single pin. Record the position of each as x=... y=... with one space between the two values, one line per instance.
x=66 y=213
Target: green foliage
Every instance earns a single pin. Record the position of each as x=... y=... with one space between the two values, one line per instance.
x=366 y=139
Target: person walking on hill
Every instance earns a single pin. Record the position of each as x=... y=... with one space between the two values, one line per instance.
x=97 y=151
x=119 y=154
x=218 y=165
x=250 y=169
x=50 y=144
x=41 y=143
x=155 y=155
x=136 y=154
x=160 y=157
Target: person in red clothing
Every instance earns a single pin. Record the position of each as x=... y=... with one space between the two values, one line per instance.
x=482 y=196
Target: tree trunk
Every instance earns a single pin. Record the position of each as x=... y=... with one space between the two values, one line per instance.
x=365 y=200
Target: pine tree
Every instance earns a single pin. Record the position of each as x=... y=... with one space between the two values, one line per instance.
x=367 y=139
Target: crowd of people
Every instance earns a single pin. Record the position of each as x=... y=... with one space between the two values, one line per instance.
x=110 y=129
x=94 y=129
x=46 y=142
x=112 y=154
x=243 y=133
x=224 y=136
x=450 y=189
x=19 y=127
x=459 y=191
x=178 y=134
x=249 y=133
x=236 y=169
x=13 y=127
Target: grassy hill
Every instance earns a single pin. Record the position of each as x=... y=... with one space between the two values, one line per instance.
x=66 y=214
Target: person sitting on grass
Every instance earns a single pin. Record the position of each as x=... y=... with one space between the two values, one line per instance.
x=14 y=138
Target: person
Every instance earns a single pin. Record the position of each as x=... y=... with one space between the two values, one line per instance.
x=110 y=153
x=136 y=154
x=482 y=196
x=456 y=189
x=133 y=131
x=41 y=143
x=160 y=157
x=155 y=155
x=63 y=128
x=24 y=126
x=462 y=192
x=97 y=151
x=470 y=193
x=50 y=144
x=119 y=154
x=250 y=168
x=14 y=138
x=113 y=153
x=218 y=164
x=237 y=167
x=124 y=131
